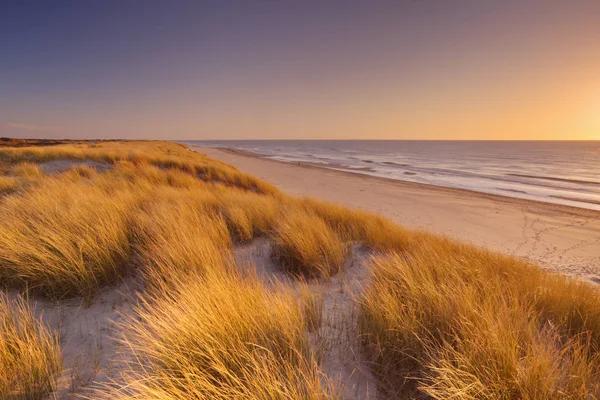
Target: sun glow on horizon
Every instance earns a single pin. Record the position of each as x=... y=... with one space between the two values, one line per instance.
x=308 y=70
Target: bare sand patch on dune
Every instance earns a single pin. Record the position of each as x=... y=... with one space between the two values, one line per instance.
x=91 y=334
x=89 y=337
x=56 y=166
x=335 y=341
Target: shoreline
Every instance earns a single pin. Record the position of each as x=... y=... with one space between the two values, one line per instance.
x=557 y=237
x=559 y=207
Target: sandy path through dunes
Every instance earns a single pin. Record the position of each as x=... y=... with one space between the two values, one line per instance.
x=560 y=238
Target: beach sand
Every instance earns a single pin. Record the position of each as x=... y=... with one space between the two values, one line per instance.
x=559 y=238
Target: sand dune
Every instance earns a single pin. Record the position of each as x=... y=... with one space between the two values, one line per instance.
x=560 y=238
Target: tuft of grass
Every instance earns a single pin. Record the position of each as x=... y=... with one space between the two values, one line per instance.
x=305 y=245
x=248 y=215
x=156 y=177
x=220 y=337
x=81 y=172
x=30 y=357
x=506 y=356
x=64 y=238
x=458 y=322
x=175 y=236
x=28 y=170
x=8 y=185
x=312 y=306
x=373 y=230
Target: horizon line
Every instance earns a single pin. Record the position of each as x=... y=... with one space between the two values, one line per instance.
x=377 y=140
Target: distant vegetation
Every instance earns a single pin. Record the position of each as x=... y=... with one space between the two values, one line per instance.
x=436 y=319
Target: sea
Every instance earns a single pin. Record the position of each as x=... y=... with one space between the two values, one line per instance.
x=559 y=172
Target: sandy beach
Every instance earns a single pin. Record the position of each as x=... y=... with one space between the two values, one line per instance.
x=559 y=238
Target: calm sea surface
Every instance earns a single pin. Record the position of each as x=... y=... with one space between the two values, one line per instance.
x=555 y=172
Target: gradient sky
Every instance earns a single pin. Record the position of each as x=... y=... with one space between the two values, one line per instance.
x=287 y=69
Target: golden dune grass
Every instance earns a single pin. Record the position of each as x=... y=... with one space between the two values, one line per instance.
x=153 y=177
x=220 y=337
x=63 y=238
x=175 y=235
x=438 y=318
x=312 y=306
x=464 y=323
x=72 y=232
x=304 y=245
x=8 y=185
x=28 y=170
x=356 y=225
x=78 y=172
x=30 y=357
x=165 y=155
x=248 y=215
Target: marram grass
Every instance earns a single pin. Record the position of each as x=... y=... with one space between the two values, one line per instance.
x=437 y=318
x=30 y=358
x=221 y=336
x=305 y=245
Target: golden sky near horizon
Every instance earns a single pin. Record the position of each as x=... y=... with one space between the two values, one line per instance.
x=311 y=70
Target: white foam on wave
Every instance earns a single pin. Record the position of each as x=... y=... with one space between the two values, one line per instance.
x=554 y=172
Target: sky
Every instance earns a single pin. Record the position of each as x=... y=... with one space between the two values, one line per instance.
x=300 y=69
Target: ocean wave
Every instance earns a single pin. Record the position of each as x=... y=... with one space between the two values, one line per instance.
x=564 y=173
x=396 y=164
x=556 y=179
